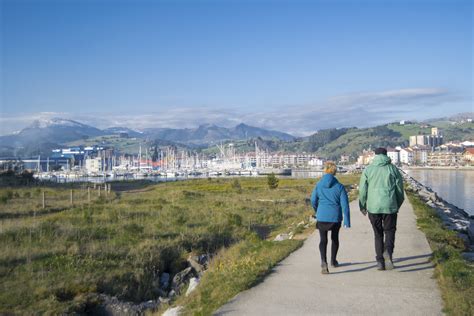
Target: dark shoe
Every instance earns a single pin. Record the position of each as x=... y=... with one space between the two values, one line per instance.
x=324 y=268
x=388 y=261
x=380 y=266
x=334 y=264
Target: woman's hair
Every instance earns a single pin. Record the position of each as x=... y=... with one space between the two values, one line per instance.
x=330 y=167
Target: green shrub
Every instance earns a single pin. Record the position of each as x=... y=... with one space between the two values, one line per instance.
x=272 y=181
x=237 y=186
x=234 y=220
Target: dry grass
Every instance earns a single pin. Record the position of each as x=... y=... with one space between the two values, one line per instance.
x=53 y=261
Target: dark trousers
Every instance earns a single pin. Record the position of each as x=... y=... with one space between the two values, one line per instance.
x=323 y=243
x=384 y=225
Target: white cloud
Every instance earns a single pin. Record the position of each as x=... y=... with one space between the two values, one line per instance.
x=357 y=109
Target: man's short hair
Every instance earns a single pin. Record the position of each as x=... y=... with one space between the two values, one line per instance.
x=330 y=167
x=380 y=151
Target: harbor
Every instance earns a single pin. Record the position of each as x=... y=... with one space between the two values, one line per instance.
x=99 y=164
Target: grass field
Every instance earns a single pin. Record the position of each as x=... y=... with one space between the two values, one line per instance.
x=455 y=275
x=409 y=130
x=55 y=259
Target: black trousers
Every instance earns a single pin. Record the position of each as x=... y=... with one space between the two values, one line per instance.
x=323 y=242
x=384 y=225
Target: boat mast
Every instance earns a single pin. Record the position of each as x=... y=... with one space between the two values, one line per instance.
x=140 y=157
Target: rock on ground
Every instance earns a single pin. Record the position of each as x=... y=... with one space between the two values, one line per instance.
x=113 y=306
x=193 y=283
x=165 y=281
x=174 y=311
x=181 y=278
x=193 y=262
x=281 y=237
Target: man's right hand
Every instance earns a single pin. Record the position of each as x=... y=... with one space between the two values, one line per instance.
x=363 y=211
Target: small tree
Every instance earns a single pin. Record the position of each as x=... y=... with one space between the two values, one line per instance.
x=272 y=181
x=236 y=186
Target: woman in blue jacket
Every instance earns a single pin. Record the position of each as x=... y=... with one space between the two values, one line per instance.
x=330 y=202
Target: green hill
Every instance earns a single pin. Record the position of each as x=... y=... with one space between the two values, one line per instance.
x=458 y=132
x=409 y=129
x=356 y=140
x=332 y=143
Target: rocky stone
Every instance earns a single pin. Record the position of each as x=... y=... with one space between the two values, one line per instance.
x=111 y=305
x=453 y=217
x=193 y=283
x=432 y=196
x=164 y=300
x=281 y=237
x=174 y=311
x=300 y=224
x=470 y=231
x=193 y=262
x=165 y=281
x=469 y=256
x=181 y=278
x=204 y=260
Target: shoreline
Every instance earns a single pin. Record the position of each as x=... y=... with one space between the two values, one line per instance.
x=435 y=179
x=461 y=168
x=453 y=217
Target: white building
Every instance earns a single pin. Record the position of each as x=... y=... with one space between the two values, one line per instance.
x=435 y=131
x=316 y=162
x=406 y=156
x=93 y=165
x=420 y=154
x=394 y=155
x=366 y=157
x=419 y=140
x=344 y=158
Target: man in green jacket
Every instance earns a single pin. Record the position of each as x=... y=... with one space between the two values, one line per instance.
x=381 y=195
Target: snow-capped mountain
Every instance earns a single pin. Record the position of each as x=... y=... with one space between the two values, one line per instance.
x=56 y=122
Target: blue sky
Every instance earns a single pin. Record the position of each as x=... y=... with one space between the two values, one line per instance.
x=293 y=65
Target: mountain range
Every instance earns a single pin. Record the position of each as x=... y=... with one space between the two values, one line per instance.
x=210 y=133
x=43 y=135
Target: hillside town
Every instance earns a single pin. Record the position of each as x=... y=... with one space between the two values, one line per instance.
x=428 y=151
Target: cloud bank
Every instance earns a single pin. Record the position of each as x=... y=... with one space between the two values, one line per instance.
x=357 y=109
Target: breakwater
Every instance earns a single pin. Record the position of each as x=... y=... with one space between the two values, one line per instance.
x=454 y=185
x=453 y=217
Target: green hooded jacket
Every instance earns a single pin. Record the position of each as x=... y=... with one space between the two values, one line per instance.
x=381 y=187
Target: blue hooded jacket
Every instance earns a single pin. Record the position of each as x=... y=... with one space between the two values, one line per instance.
x=329 y=201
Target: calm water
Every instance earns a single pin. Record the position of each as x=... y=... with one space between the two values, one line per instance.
x=454 y=186
x=306 y=174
